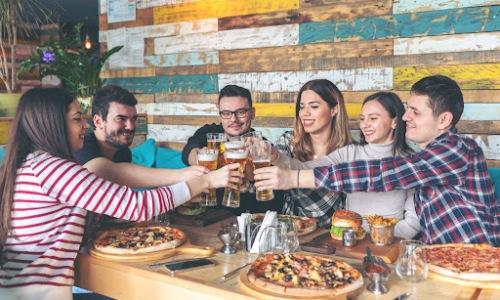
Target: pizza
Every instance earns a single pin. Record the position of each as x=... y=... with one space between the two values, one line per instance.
x=304 y=225
x=138 y=240
x=477 y=262
x=300 y=275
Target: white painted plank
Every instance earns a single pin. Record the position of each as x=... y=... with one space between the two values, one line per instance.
x=368 y=79
x=491 y=146
x=173 y=29
x=448 y=43
x=141 y=4
x=247 y=38
x=178 y=109
x=407 y=6
x=183 y=59
x=103 y=6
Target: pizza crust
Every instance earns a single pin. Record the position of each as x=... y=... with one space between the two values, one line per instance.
x=165 y=245
x=464 y=275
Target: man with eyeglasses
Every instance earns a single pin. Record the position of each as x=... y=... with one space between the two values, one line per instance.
x=236 y=114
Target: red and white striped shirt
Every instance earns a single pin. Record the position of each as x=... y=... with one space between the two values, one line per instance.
x=51 y=199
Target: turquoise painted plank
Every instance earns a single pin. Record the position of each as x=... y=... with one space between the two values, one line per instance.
x=481 y=111
x=429 y=23
x=203 y=84
x=183 y=59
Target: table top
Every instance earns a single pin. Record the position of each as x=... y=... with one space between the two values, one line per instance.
x=139 y=280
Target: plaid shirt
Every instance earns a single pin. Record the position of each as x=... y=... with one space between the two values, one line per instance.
x=454 y=198
x=318 y=204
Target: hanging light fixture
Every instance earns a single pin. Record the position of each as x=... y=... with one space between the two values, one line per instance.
x=88 y=43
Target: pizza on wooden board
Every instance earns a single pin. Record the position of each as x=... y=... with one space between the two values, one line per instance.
x=302 y=275
x=137 y=240
x=477 y=262
x=304 y=225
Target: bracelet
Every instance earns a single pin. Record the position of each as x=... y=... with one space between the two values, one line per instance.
x=298 y=173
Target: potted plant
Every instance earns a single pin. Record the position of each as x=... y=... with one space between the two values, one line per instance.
x=67 y=58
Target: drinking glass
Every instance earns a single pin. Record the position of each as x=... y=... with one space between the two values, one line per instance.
x=216 y=141
x=232 y=196
x=238 y=143
x=208 y=159
x=409 y=267
x=279 y=238
x=260 y=153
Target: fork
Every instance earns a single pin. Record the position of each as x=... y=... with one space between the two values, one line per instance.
x=235 y=271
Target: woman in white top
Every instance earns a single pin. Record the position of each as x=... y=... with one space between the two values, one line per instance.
x=45 y=195
x=382 y=134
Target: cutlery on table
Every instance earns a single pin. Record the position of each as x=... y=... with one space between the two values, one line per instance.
x=235 y=271
x=178 y=260
x=403 y=296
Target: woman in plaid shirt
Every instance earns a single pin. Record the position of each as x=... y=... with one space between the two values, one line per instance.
x=454 y=199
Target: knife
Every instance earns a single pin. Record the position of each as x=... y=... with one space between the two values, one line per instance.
x=403 y=296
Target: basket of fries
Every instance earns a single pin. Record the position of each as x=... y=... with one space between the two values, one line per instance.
x=381 y=229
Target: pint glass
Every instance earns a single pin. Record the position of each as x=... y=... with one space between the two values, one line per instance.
x=232 y=196
x=216 y=141
x=208 y=159
x=260 y=152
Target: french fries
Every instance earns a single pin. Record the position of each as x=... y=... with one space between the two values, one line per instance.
x=380 y=220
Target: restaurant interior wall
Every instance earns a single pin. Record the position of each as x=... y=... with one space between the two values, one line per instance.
x=194 y=48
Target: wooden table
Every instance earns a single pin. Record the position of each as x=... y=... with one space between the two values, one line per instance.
x=137 y=281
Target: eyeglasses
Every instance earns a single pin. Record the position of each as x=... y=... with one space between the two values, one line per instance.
x=240 y=113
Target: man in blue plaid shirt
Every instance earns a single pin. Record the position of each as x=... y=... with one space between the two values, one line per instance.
x=454 y=197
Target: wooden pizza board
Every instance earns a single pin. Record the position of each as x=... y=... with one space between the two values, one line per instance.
x=210 y=216
x=471 y=283
x=185 y=248
x=260 y=293
x=324 y=244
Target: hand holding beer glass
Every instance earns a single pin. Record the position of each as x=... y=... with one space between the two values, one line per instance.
x=235 y=152
x=208 y=159
x=216 y=141
x=260 y=151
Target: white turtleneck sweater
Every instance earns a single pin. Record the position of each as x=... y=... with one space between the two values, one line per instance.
x=398 y=203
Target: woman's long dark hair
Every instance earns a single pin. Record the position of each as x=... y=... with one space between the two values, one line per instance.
x=396 y=109
x=341 y=135
x=39 y=124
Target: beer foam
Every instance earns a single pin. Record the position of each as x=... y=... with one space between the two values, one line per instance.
x=234 y=145
x=237 y=154
x=261 y=160
x=207 y=156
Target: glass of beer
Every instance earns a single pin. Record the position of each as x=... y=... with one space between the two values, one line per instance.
x=260 y=151
x=238 y=143
x=232 y=196
x=208 y=159
x=216 y=141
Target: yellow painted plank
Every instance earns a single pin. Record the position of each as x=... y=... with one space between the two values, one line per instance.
x=468 y=77
x=284 y=110
x=5 y=129
x=205 y=9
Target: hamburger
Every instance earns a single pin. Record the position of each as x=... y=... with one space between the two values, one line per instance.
x=346 y=219
x=190 y=208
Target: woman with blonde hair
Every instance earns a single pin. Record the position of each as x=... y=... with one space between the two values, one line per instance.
x=321 y=126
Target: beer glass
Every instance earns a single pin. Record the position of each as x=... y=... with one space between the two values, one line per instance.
x=260 y=152
x=216 y=141
x=238 y=143
x=208 y=159
x=232 y=196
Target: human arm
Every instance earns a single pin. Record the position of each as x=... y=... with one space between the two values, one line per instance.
x=198 y=141
x=137 y=176
x=279 y=178
x=409 y=226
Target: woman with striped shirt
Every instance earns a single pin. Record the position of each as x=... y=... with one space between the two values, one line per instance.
x=45 y=195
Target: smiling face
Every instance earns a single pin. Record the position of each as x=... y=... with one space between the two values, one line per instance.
x=236 y=126
x=315 y=114
x=376 y=123
x=118 y=129
x=422 y=126
x=76 y=126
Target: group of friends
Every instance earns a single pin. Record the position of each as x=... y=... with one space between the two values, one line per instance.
x=56 y=179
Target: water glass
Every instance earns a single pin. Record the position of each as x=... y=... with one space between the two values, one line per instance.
x=409 y=267
x=279 y=238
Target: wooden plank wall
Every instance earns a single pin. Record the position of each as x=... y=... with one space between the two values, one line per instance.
x=193 y=48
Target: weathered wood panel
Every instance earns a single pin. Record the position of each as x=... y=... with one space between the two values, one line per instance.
x=183 y=59
x=483 y=76
x=405 y=6
x=448 y=43
x=273 y=36
x=218 y=9
x=346 y=80
x=143 y=18
x=454 y=21
x=308 y=14
x=141 y=4
x=169 y=84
